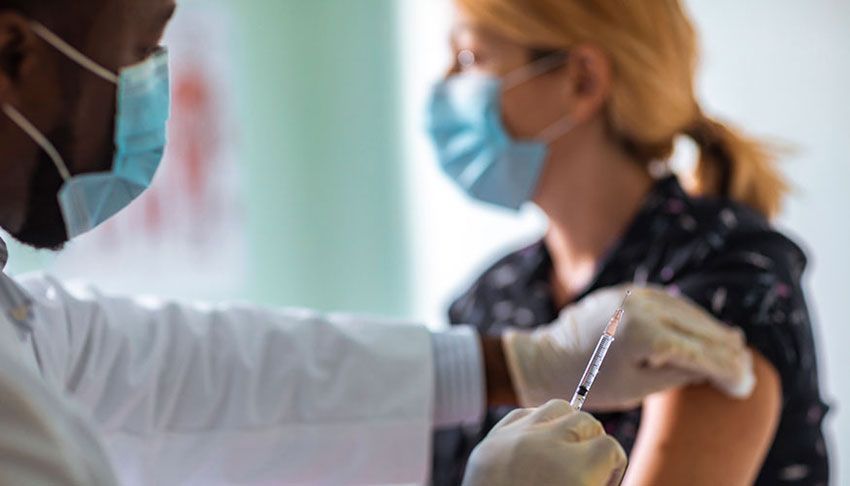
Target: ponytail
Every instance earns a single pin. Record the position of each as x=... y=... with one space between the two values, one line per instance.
x=737 y=166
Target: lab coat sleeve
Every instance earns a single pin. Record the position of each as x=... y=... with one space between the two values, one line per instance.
x=460 y=394
x=186 y=394
x=42 y=440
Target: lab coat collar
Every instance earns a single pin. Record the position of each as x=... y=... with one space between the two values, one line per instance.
x=14 y=300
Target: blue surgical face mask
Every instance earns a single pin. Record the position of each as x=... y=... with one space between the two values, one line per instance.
x=87 y=200
x=473 y=147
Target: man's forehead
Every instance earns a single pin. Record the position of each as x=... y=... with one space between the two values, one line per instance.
x=116 y=33
x=143 y=10
x=165 y=10
x=135 y=19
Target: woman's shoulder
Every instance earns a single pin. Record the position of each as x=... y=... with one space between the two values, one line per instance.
x=732 y=232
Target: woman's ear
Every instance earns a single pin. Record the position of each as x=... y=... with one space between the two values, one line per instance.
x=590 y=78
x=17 y=46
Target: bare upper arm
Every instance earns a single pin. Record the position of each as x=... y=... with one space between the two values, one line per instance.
x=699 y=436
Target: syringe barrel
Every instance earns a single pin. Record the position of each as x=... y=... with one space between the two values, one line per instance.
x=591 y=371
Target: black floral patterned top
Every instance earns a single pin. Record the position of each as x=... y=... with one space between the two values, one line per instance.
x=719 y=254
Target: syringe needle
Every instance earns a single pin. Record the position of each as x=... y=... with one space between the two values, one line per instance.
x=628 y=294
x=614 y=323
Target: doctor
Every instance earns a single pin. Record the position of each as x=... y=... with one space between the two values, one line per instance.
x=93 y=387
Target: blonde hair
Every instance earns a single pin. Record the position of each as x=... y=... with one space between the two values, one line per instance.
x=653 y=49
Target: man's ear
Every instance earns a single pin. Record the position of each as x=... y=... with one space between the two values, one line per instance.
x=17 y=46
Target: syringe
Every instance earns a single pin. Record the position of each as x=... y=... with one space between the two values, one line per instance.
x=598 y=356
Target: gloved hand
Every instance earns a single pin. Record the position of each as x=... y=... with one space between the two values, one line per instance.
x=552 y=445
x=663 y=342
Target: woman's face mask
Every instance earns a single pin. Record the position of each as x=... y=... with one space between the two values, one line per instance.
x=87 y=200
x=473 y=146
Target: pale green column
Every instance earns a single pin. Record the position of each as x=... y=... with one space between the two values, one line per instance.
x=319 y=130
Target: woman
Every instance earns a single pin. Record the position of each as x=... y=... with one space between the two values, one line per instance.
x=576 y=106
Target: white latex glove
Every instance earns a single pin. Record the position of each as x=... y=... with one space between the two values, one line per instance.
x=552 y=445
x=663 y=342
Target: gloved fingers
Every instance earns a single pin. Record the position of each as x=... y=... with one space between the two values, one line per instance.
x=540 y=366
x=522 y=357
x=728 y=367
x=669 y=345
x=605 y=459
x=655 y=306
x=552 y=410
x=703 y=326
x=628 y=392
x=578 y=427
x=513 y=417
x=741 y=383
x=616 y=478
x=668 y=377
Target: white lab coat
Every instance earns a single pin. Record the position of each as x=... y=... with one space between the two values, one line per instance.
x=188 y=394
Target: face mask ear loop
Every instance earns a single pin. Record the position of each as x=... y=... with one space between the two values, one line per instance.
x=531 y=71
x=557 y=130
x=40 y=139
x=536 y=68
x=72 y=53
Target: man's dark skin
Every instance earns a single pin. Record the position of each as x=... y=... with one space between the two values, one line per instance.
x=75 y=110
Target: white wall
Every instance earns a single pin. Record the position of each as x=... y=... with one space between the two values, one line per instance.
x=778 y=67
x=452 y=238
x=783 y=68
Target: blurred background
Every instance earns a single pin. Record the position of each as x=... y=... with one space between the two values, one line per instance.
x=299 y=173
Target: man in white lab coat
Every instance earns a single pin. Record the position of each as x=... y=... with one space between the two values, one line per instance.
x=94 y=388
